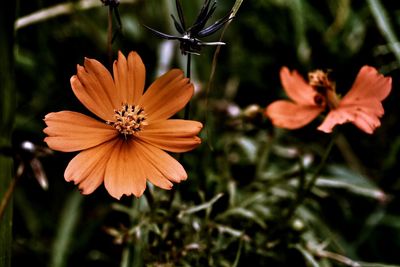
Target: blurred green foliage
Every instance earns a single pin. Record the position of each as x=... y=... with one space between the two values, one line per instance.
x=244 y=179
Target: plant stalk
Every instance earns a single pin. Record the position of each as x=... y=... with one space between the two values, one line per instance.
x=7 y=111
x=188 y=75
x=109 y=37
x=305 y=188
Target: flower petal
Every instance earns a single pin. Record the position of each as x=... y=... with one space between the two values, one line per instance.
x=88 y=167
x=296 y=87
x=169 y=167
x=291 y=116
x=362 y=104
x=125 y=173
x=129 y=78
x=368 y=85
x=94 y=87
x=167 y=95
x=173 y=135
x=72 y=131
x=362 y=118
x=153 y=174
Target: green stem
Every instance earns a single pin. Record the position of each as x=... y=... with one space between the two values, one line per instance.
x=300 y=194
x=264 y=156
x=188 y=74
x=109 y=37
x=5 y=200
x=317 y=172
x=7 y=110
x=305 y=188
x=234 y=10
x=186 y=117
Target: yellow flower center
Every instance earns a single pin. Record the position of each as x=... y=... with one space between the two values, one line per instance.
x=325 y=88
x=129 y=120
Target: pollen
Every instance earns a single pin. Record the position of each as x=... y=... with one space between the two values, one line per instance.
x=320 y=81
x=325 y=88
x=129 y=120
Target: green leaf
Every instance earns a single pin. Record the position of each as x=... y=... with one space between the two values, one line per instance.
x=203 y=206
x=307 y=256
x=367 y=264
x=344 y=178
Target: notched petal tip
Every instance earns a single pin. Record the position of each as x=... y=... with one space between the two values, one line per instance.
x=197 y=140
x=79 y=68
x=48 y=116
x=136 y=194
x=176 y=72
x=133 y=54
x=73 y=79
x=88 y=62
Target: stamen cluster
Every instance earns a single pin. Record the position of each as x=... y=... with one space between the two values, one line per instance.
x=325 y=88
x=129 y=120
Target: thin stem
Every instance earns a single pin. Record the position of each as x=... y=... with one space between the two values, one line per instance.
x=188 y=75
x=305 y=188
x=264 y=156
x=186 y=116
x=238 y=253
x=149 y=197
x=8 y=194
x=300 y=192
x=234 y=10
x=109 y=36
x=321 y=165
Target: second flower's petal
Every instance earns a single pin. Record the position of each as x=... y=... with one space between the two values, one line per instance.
x=125 y=173
x=363 y=118
x=72 y=131
x=129 y=77
x=285 y=114
x=173 y=135
x=296 y=87
x=368 y=85
x=362 y=104
x=167 y=95
x=87 y=169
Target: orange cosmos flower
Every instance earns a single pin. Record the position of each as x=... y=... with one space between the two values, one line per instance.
x=127 y=146
x=360 y=106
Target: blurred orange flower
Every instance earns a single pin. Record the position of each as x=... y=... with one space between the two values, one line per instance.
x=127 y=146
x=360 y=106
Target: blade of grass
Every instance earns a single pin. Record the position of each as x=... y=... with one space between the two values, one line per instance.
x=203 y=206
x=59 y=10
x=7 y=110
x=382 y=20
x=68 y=222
